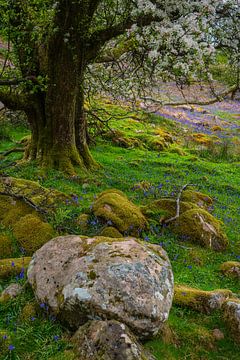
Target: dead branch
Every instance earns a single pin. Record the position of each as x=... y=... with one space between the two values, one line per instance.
x=178 y=205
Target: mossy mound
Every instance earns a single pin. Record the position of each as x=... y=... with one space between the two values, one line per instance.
x=31 y=233
x=166 y=207
x=198 y=198
x=200 y=300
x=231 y=268
x=200 y=227
x=111 y=232
x=113 y=206
x=6 y=248
x=33 y=191
x=12 y=267
x=14 y=210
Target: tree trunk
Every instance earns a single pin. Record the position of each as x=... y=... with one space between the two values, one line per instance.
x=58 y=121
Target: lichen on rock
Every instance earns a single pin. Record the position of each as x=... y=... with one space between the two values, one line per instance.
x=104 y=278
x=232 y=318
x=108 y=340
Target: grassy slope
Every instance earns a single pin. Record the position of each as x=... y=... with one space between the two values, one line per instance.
x=167 y=172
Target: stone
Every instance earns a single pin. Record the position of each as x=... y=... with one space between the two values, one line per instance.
x=200 y=227
x=200 y=300
x=112 y=206
x=82 y=278
x=232 y=318
x=218 y=334
x=11 y=292
x=231 y=268
x=108 y=340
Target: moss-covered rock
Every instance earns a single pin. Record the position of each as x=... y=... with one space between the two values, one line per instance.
x=33 y=191
x=6 y=248
x=232 y=318
x=31 y=233
x=231 y=268
x=200 y=227
x=113 y=206
x=200 y=300
x=13 y=266
x=111 y=232
x=198 y=198
x=16 y=210
x=166 y=207
x=11 y=292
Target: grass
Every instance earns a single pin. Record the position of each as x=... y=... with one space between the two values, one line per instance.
x=197 y=267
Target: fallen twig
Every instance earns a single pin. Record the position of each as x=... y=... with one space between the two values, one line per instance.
x=178 y=205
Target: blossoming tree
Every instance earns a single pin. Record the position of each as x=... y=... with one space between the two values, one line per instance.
x=60 y=50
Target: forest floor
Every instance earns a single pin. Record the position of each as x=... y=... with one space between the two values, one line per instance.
x=205 y=151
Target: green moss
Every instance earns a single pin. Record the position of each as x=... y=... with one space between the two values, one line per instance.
x=110 y=231
x=198 y=226
x=31 y=233
x=28 y=311
x=13 y=266
x=6 y=248
x=32 y=190
x=198 y=198
x=124 y=215
x=231 y=268
x=167 y=207
x=196 y=299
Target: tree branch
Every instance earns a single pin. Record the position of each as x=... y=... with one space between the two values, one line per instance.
x=200 y=103
x=100 y=37
x=15 y=101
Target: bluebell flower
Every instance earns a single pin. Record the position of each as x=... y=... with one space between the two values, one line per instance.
x=11 y=347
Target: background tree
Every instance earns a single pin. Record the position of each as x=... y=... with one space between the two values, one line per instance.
x=62 y=50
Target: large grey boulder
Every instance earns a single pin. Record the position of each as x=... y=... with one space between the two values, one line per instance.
x=83 y=278
x=108 y=340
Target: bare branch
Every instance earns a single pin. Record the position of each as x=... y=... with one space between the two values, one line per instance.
x=219 y=97
x=178 y=205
